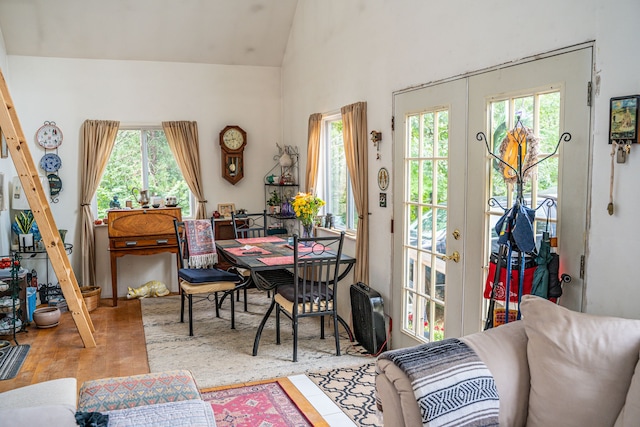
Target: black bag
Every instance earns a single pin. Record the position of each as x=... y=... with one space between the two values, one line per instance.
x=555 y=288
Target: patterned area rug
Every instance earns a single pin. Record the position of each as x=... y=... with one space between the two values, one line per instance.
x=353 y=390
x=11 y=360
x=264 y=404
x=218 y=355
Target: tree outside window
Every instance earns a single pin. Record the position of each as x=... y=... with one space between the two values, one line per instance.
x=141 y=158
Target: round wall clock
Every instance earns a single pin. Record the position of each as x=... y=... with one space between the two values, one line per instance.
x=49 y=136
x=383 y=179
x=50 y=162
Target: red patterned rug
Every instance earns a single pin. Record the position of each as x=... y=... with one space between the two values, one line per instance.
x=275 y=404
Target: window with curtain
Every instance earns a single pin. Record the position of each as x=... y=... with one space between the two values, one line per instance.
x=336 y=185
x=141 y=158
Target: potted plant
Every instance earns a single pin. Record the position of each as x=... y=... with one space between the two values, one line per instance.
x=274 y=202
x=23 y=227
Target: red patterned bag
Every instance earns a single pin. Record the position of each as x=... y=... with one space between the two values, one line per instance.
x=500 y=292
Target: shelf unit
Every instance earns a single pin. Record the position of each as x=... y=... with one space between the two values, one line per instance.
x=13 y=317
x=282 y=182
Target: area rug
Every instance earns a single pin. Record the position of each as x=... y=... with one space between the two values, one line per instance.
x=353 y=390
x=218 y=355
x=274 y=403
x=11 y=360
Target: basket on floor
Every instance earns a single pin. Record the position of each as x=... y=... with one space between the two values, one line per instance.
x=91 y=295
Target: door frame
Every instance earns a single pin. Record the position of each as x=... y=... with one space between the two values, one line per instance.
x=398 y=173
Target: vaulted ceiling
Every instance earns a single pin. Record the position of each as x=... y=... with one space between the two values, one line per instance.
x=232 y=32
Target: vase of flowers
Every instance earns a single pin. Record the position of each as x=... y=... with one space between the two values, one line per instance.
x=306 y=207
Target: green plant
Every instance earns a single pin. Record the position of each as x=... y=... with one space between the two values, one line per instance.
x=274 y=200
x=24 y=221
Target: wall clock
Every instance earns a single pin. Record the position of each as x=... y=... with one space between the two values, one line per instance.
x=232 y=142
x=49 y=136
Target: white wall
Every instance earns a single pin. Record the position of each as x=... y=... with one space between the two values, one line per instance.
x=343 y=52
x=69 y=91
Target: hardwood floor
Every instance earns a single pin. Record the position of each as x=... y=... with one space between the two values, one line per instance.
x=59 y=352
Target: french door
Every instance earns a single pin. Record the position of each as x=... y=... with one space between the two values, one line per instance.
x=443 y=178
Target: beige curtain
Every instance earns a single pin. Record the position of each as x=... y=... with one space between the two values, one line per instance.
x=354 y=122
x=313 y=152
x=98 y=139
x=183 y=141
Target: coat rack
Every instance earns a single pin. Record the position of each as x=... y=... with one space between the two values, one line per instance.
x=509 y=237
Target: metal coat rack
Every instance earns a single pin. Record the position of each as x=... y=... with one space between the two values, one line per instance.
x=505 y=249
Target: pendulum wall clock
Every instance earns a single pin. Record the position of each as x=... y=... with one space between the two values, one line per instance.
x=232 y=142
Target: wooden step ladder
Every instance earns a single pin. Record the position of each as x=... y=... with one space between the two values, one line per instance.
x=39 y=204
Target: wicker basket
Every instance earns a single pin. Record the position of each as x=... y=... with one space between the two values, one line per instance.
x=91 y=295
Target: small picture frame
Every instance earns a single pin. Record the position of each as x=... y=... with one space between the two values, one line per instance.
x=383 y=200
x=623 y=120
x=225 y=209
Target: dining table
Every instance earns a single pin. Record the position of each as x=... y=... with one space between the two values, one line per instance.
x=272 y=253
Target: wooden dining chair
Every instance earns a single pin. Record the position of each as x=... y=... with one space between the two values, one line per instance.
x=198 y=275
x=310 y=289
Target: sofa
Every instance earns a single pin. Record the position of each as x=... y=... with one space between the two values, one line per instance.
x=167 y=398
x=554 y=367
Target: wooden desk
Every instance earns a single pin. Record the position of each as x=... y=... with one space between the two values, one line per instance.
x=140 y=232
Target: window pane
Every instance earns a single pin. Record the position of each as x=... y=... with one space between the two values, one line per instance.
x=126 y=171
x=164 y=176
x=428 y=141
x=414 y=136
x=427 y=176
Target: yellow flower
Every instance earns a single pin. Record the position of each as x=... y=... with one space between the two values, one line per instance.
x=306 y=207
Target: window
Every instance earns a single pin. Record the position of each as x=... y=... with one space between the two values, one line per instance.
x=141 y=159
x=336 y=184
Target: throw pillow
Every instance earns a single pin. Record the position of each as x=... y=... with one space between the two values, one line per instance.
x=630 y=414
x=581 y=365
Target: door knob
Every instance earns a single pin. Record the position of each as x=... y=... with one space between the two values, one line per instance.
x=455 y=257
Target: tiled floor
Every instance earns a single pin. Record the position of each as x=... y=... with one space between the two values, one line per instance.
x=325 y=406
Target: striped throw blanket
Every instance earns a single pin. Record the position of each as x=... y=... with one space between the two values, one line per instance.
x=453 y=387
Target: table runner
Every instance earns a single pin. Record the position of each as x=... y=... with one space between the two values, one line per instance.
x=241 y=251
x=277 y=260
x=267 y=239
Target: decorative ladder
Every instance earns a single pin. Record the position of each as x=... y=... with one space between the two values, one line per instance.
x=39 y=204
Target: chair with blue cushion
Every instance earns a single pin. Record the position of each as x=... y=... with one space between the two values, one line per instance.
x=197 y=275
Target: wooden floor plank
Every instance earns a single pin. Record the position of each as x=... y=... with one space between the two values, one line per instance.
x=59 y=352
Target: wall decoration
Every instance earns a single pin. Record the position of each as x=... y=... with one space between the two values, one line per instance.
x=383 y=200
x=225 y=209
x=623 y=120
x=383 y=179
x=49 y=136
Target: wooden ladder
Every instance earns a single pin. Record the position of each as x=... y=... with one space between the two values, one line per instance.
x=39 y=204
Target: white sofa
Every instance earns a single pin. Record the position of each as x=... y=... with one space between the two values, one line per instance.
x=555 y=367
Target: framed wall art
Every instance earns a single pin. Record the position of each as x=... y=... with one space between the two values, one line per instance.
x=225 y=209
x=623 y=120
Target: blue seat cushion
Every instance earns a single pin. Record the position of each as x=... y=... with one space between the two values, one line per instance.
x=206 y=275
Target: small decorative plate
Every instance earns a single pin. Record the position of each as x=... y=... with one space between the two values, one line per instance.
x=383 y=179
x=55 y=184
x=49 y=136
x=50 y=162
